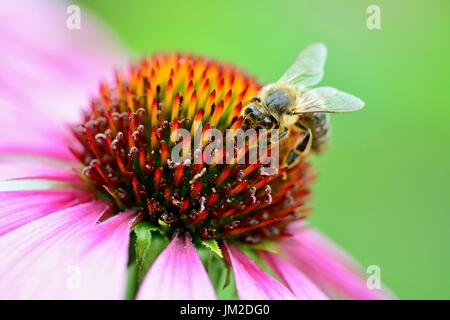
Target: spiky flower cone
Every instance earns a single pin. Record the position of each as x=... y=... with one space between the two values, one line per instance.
x=126 y=139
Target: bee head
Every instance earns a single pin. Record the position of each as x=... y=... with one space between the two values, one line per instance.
x=252 y=114
x=257 y=119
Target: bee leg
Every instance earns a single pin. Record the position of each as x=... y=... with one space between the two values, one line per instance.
x=302 y=148
x=283 y=134
x=272 y=139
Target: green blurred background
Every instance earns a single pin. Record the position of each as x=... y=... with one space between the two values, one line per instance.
x=383 y=186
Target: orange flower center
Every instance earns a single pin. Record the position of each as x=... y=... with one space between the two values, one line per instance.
x=127 y=138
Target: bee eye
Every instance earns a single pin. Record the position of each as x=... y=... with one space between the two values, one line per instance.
x=268 y=122
x=249 y=109
x=252 y=109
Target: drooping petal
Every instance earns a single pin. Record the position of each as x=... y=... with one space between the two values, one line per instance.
x=18 y=208
x=15 y=169
x=101 y=257
x=295 y=280
x=177 y=273
x=66 y=255
x=31 y=253
x=47 y=72
x=328 y=266
x=254 y=283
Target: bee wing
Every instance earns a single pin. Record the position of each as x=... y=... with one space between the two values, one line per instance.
x=327 y=99
x=307 y=69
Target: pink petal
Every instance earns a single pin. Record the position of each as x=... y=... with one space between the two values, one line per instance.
x=328 y=266
x=37 y=145
x=66 y=255
x=13 y=169
x=47 y=72
x=177 y=273
x=101 y=255
x=295 y=280
x=20 y=208
x=252 y=282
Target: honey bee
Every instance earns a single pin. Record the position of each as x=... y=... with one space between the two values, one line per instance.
x=290 y=106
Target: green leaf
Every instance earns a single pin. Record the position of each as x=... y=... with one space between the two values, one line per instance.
x=219 y=273
x=149 y=245
x=213 y=246
x=131 y=285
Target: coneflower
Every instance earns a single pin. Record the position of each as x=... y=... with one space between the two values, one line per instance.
x=127 y=139
x=123 y=213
